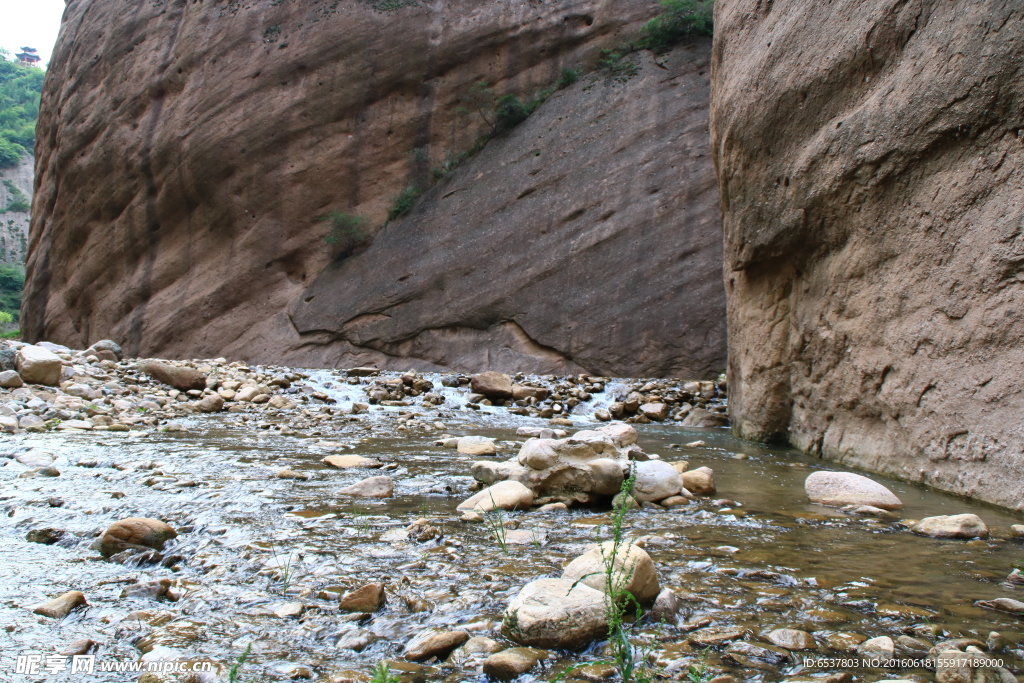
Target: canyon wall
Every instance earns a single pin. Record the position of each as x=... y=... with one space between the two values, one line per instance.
x=15 y=189
x=187 y=150
x=869 y=155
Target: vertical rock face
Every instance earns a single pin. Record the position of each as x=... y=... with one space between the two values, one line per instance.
x=870 y=155
x=186 y=150
x=15 y=189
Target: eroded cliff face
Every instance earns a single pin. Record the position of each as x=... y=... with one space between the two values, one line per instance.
x=187 y=149
x=870 y=155
x=15 y=189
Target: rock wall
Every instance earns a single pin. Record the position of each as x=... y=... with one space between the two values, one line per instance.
x=186 y=151
x=869 y=155
x=14 y=224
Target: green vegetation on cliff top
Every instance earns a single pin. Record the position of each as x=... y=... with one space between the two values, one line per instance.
x=19 y=106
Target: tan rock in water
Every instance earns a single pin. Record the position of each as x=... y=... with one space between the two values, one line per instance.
x=343 y=462
x=635 y=572
x=369 y=598
x=60 y=607
x=506 y=495
x=178 y=377
x=510 y=664
x=555 y=613
x=951 y=526
x=137 y=533
x=373 y=487
x=434 y=642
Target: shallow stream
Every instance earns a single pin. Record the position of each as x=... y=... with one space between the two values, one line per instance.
x=757 y=557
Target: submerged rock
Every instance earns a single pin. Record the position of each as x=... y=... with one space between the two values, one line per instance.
x=792 y=639
x=372 y=487
x=369 y=598
x=846 y=488
x=510 y=664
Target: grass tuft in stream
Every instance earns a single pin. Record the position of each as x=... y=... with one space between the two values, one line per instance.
x=239 y=663
x=382 y=674
x=284 y=567
x=495 y=521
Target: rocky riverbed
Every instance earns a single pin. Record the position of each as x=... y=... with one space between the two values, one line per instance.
x=286 y=542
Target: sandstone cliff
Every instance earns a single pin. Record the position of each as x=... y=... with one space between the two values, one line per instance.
x=14 y=223
x=869 y=155
x=186 y=150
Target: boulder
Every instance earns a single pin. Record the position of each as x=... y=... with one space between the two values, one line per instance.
x=60 y=607
x=555 y=613
x=434 y=642
x=698 y=417
x=494 y=385
x=951 y=526
x=505 y=495
x=212 y=403
x=656 y=480
x=846 y=488
x=372 y=487
x=369 y=598
x=700 y=482
x=184 y=379
x=9 y=379
x=792 y=639
x=37 y=365
x=521 y=392
x=634 y=571
x=510 y=664
x=654 y=411
x=135 y=533
x=108 y=346
x=476 y=445
x=343 y=462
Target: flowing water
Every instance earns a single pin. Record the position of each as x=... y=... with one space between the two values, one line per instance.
x=758 y=557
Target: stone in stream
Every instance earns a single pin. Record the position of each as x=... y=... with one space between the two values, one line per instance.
x=46 y=536
x=37 y=365
x=666 y=607
x=343 y=462
x=654 y=411
x=521 y=392
x=212 y=403
x=1003 y=605
x=9 y=379
x=135 y=533
x=869 y=511
x=434 y=642
x=951 y=526
x=60 y=607
x=357 y=639
x=656 y=480
x=882 y=647
x=716 y=636
x=474 y=648
x=792 y=639
x=372 y=487
x=492 y=385
x=700 y=482
x=369 y=598
x=634 y=571
x=846 y=488
x=510 y=664
x=150 y=589
x=756 y=656
x=1017 y=532
x=82 y=646
x=699 y=417
x=108 y=345
x=184 y=379
x=912 y=646
x=291 y=474
x=32 y=423
x=506 y=495
x=36 y=459
x=290 y=610
x=555 y=614
x=476 y=445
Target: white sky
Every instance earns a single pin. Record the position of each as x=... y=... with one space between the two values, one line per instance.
x=30 y=23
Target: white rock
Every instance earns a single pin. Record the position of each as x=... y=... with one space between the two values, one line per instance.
x=656 y=480
x=634 y=570
x=506 y=495
x=476 y=445
x=846 y=488
x=373 y=487
x=882 y=647
x=555 y=613
x=951 y=526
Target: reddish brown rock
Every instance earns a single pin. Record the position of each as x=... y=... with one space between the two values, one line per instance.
x=492 y=385
x=369 y=598
x=870 y=162
x=184 y=379
x=135 y=533
x=184 y=163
